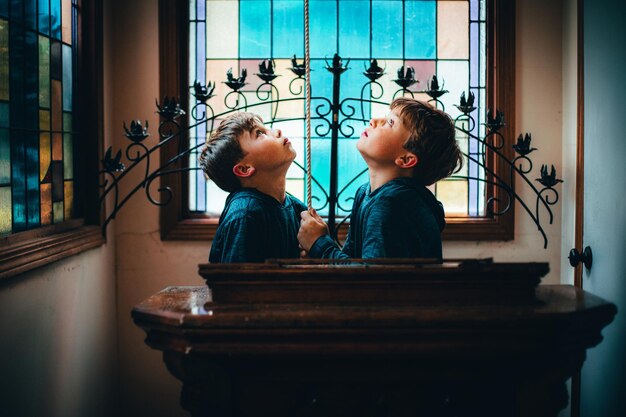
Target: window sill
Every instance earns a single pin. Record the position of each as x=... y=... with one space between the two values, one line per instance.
x=29 y=250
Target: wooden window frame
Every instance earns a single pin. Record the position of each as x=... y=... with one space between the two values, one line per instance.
x=23 y=251
x=176 y=223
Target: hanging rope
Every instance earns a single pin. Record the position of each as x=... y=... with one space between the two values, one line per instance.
x=307 y=65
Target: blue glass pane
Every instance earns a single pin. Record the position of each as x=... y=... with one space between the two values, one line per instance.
x=67 y=78
x=201 y=194
x=254 y=29
x=5 y=157
x=288 y=28
x=200 y=10
x=323 y=28
x=387 y=29
x=44 y=16
x=30 y=14
x=354 y=28
x=18 y=181
x=4 y=8
x=352 y=164
x=420 y=29
x=474 y=55
x=4 y=114
x=474 y=9
x=32 y=179
x=55 y=18
x=352 y=82
x=201 y=53
x=321 y=86
x=56 y=62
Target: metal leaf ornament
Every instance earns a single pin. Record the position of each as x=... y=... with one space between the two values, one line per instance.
x=434 y=90
x=112 y=164
x=137 y=133
x=298 y=69
x=170 y=109
x=548 y=180
x=233 y=83
x=522 y=146
x=203 y=93
x=338 y=67
x=494 y=123
x=374 y=72
x=466 y=106
x=266 y=70
x=405 y=79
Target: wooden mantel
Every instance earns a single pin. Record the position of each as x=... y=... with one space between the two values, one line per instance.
x=368 y=358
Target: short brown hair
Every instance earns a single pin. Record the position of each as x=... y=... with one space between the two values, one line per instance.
x=432 y=140
x=223 y=151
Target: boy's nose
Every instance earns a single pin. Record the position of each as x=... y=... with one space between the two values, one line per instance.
x=278 y=133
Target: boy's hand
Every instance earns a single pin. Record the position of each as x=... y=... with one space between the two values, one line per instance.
x=312 y=227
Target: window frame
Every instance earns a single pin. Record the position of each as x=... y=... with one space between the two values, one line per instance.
x=177 y=223
x=24 y=251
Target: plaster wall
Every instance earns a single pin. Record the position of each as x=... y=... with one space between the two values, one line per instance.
x=145 y=264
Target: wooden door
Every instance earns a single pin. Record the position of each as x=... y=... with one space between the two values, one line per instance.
x=603 y=376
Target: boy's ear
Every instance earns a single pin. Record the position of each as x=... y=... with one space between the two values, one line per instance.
x=408 y=160
x=243 y=170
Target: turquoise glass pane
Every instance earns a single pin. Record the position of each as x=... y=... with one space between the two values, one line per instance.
x=354 y=28
x=4 y=114
x=352 y=82
x=32 y=179
x=351 y=164
x=320 y=165
x=18 y=181
x=288 y=28
x=67 y=78
x=30 y=14
x=323 y=30
x=5 y=157
x=387 y=29
x=420 y=29
x=44 y=16
x=254 y=29
x=55 y=18
x=321 y=86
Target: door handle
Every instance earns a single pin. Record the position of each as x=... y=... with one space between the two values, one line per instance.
x=586 y=257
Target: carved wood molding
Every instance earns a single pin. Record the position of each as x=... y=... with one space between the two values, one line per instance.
x=33 y=252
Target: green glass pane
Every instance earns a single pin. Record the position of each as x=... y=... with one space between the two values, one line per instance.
x=68 y=157
x=4 y=59
x=57 y=212
x=5 y=157
x=44 y=72
x=5 y=210
x=67 y=122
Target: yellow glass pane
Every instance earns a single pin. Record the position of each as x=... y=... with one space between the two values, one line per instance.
x=453 y=195
x=57 y=147
x=44 y=119
x=68 y=197
x=57 y=110
x=45 y=155
x=452 y=30
x=4 y=60
x=6 y=213
x=46 y=203
x=216 y=72
x=66 y=21
x=58 y=212
x=222 y=43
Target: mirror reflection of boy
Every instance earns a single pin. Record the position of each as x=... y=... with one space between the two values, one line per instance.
x=259 y=220
x=395 y=215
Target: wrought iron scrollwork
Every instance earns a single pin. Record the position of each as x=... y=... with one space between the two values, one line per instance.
x=330 y=118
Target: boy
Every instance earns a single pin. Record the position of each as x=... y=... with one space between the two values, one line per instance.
x=259 y=220
x=395 y=215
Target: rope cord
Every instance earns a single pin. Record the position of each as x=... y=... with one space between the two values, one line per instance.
x=307 y=64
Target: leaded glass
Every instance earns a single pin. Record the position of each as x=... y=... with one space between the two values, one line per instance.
x=37 y=51
x=435 y=37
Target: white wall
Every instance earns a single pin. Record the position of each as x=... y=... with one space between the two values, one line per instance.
x=146 y=265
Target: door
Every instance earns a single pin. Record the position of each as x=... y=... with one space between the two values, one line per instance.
x=603 y=376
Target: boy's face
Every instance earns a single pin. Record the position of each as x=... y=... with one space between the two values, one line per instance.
x=382 y=141
x=266 y=149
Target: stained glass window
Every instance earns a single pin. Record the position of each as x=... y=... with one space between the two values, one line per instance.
x=37 y=63
x=442 y=38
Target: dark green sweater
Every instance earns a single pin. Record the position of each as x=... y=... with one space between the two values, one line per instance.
x=255 y=226
x=401 y=219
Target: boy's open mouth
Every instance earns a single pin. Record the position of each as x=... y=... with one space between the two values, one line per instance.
x=364 y=133
x=285 y=142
